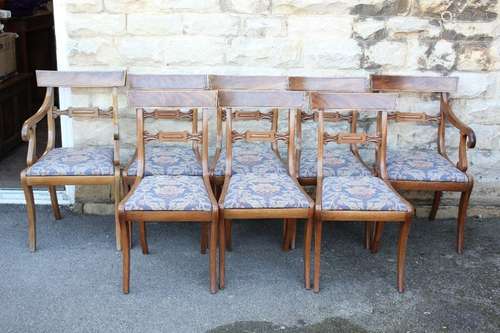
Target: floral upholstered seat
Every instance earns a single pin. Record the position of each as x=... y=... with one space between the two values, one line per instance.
x=361 y=194
x=168 y=160
x=335 y=163
x=85 y=161
x=251 y=158
x=421 y=165
x=170 y=193
x=264 y=191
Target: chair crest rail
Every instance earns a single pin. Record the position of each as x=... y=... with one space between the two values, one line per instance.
x=183 y=136
x=83 y=112
x=412 y=117
x=256 y=136
x=351 y=138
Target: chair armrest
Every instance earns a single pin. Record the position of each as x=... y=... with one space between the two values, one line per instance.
x=458 y=124
x=31 y=122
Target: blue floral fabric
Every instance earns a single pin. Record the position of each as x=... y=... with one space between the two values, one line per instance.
x=168 y=160
x=87 y=161
x=170 y=193
x=335 y=163
x=367 y=193
x=256 y=158
x=421 y=165
x=264 y=191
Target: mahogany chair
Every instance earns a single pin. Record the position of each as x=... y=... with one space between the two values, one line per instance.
x=170 y=198
x=71 y=166
x=161 y=159
x=428 y=170
x=254 y=158
x=337 y=162
x=363 y=197
x=262 y=195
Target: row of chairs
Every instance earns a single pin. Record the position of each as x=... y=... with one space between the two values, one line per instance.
x=246 y=180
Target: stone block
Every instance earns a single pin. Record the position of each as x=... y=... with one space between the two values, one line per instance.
x=94 y=25
x=279 y=52
x=211 y=24
x=264 y=27
x=154 y=24
x=246 y=6
x=332 y=53
x=192 y=51
x=84 y=6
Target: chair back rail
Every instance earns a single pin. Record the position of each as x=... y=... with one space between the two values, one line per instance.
x=165 y=105
x=172 y=99
x=330 y=84
x=229 y=82
x=400 y=83
x=322 y=103
x=277 y=100
x=80 y=79
x=167 y=81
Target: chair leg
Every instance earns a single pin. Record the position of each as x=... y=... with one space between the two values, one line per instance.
x=307 y=252
x=462 y=216
x=375 y=243
x=124 y=226
x=213 y=256
x=53 y=201
x=222 y=250
x=117 y=194
x=368 y=234
x=435 y=205
x=130 y=233
x=204 y=238
x=30 y=207
x=285 y=235
x=143 y=237
x=317 y=252
x=293 y=233
x=229 y=235
x=403 y=240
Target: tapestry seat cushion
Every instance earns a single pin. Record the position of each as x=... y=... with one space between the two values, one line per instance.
x=256 y=158
x=85 y=161
x=264 y=191
x=335 y=163
x=365 y=193
x=170 y=160
x=422 y=165
x=169 y=193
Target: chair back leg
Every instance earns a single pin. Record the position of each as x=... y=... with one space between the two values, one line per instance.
x=54 y=203
x=435 y=205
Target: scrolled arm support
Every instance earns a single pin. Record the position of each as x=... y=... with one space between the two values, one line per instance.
x=467 y=135
x=30 y=123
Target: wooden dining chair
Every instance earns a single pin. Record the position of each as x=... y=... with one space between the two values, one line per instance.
x=262 y=195
x=336 y=162
x=363 y=197
x=254 y=158
x=162 y=159
x=170 y=198
x=75 y=165
x=429 y=170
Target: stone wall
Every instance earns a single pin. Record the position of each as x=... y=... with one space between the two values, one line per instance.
x=299 y=37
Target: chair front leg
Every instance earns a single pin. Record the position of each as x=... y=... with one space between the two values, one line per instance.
x=229 y=235
x=307 y=252
x=222 y=250
x=53 y=201
x=368 y=234
x=435 y=205
x=318 y=226
x=124 y=226
x=462 y=216
x=403 y=240
x=30 y=207
x=117 y=195
x=213 y=255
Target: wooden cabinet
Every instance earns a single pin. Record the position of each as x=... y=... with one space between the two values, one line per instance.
x=15 y=107
x=35 y=47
